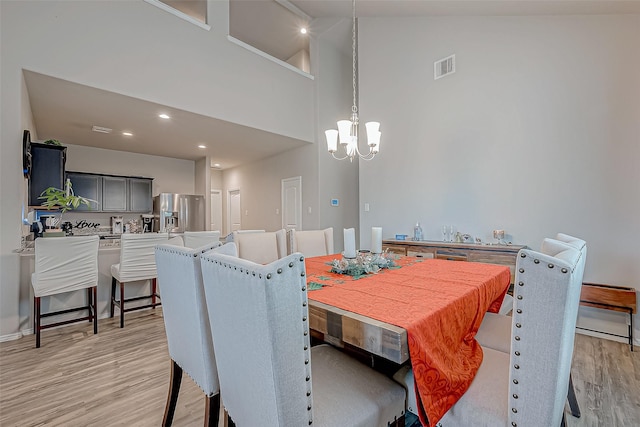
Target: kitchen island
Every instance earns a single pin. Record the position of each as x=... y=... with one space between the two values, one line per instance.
x=108 y=254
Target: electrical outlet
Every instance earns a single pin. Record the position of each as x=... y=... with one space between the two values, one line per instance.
x=309 y=210
x=277 y=211
x=366 y=207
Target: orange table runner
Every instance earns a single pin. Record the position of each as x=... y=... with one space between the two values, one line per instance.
x=439 y=303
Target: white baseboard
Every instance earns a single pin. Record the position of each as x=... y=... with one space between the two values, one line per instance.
x=11 y=337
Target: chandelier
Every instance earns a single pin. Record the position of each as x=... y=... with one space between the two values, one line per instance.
x=347 y=131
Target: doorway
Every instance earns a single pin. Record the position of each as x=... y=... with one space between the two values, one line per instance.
x=292 y=203
x=234 y=214
x=216 y=210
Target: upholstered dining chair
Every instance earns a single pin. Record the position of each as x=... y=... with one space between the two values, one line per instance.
x=261 y=247
x=495 y=330
x=196 y=239
x=187 y=326
x=529 y=384
x=65 y=264
x=137 y=262
x=269 y=373
x=311 y=242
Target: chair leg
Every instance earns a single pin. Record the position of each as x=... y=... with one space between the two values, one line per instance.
x=121 y=305
x=95 y=309
x=174 y=390
x=36 y=303
x=573 y=401
x=154 y=288
x=113 y=296
x=212 y=410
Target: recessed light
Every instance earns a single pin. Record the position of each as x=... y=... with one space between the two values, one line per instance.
x=202 y=146
x=164 y=116
x=127 y=133
x=303 y=30
x=216 y=165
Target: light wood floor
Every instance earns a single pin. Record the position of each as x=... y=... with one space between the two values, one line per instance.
x=120 y=376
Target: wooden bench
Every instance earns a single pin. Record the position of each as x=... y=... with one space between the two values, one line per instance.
x=609 y=297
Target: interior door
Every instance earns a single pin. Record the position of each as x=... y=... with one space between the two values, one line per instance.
x=216 y=210
x=233 y=210
x=292 y=203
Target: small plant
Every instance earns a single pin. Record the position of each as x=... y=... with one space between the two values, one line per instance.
x=52 y=142
x=64 y=200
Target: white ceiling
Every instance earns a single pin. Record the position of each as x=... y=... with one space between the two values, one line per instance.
x=370 y=8
x=67 y=111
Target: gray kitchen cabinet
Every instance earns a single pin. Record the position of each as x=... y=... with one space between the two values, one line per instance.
x=87 y=185
x=115 y=193
x=47 y=169
x=140 y=199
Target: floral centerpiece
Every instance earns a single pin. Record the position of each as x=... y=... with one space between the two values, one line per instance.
x=364 y=263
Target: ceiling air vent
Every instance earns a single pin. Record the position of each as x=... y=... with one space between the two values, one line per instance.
x=101 y=129
x=444 y=67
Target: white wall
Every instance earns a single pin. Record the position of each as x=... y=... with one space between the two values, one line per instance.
x=336 y=179
x=323 y=178
x=135 y=49
x=260 y=187
x=537 y=132
x=169 y=175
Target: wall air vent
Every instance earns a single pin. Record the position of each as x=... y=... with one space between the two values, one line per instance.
x=101 y=129
x=444 y=67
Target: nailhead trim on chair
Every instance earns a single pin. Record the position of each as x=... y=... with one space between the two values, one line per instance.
x=518 y=325
x=304 y=320
x=305 y=333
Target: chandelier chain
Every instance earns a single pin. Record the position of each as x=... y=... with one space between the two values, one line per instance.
x=354 y=108
x=347 y=132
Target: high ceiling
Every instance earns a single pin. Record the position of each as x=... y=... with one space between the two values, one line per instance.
x=272 y=26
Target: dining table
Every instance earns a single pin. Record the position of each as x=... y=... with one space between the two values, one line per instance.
x=425 y=312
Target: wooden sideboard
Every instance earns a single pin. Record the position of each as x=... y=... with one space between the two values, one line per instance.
x=490 y=254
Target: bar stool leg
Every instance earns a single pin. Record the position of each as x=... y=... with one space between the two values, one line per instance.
x=113 y=295
x=37 y=319
x=95 y=310
x=121 y=304
x=89 y=306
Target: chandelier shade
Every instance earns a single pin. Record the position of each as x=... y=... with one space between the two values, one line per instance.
x=347 y=133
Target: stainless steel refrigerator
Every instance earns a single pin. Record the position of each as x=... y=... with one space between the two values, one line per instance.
x=177 y=213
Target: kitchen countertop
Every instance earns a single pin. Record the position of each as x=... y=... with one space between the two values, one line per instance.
x=107 y=243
